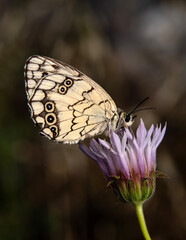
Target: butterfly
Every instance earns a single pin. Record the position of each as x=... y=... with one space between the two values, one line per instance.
x=68 y=105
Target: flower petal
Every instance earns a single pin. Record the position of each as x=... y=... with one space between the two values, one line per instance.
x=104 y=143
x=161 y=135
x=115 y=142
x=141 y=133
x=148 y=136
x=87 y=151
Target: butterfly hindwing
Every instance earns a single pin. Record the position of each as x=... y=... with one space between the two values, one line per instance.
x=67 y=104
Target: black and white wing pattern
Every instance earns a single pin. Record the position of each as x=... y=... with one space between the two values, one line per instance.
x=68 y=105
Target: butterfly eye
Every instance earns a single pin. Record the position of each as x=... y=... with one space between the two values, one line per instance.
x=49 y=106
x=50 y=118
x=127 y=118
x=54 y=130
x=62 y=89
x=68 y=82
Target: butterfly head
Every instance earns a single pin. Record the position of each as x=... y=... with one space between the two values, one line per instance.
x=125 y=119
x=128 y=119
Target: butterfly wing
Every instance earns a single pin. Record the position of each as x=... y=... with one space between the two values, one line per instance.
x=67 y=104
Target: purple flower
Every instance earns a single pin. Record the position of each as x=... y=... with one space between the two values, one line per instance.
x=129 y=162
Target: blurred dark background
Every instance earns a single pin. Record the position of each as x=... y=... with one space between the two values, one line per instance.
x=133 y=49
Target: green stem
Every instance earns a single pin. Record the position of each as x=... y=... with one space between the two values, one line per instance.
x=141 y=219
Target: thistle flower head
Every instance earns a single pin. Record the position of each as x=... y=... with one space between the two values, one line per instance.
x=128 y=161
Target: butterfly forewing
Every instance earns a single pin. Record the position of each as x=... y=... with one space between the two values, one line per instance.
x=68 y=105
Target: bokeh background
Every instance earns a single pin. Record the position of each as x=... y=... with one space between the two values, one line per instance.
x=133 y=49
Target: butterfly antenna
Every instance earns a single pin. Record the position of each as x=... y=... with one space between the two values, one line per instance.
x=142 y=109
x=140 y=103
